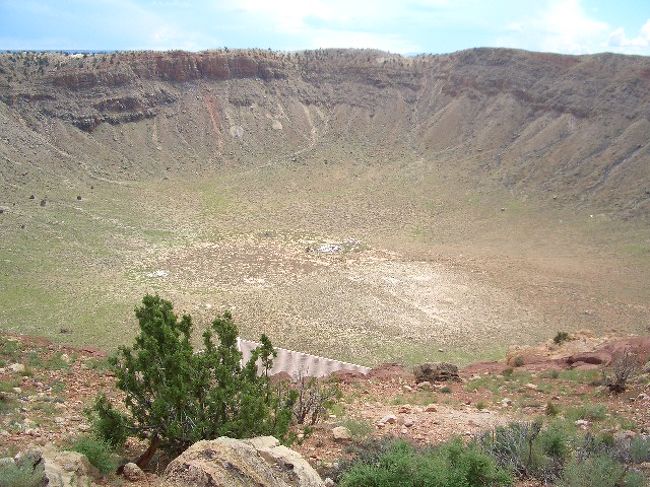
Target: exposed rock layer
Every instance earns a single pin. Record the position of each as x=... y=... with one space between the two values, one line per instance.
x=573 y=126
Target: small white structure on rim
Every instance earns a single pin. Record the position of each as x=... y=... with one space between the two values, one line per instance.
x=299 y=364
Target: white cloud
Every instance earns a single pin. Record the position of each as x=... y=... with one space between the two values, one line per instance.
x=565 y=26
x=560 y=26
x=568 y=28
x=333 y=23
x=618 y=40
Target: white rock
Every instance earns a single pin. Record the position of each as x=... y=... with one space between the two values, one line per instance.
x=388 y=419
x=158 y=273
x=226 y=461
x=17 y=368
x=341 y=433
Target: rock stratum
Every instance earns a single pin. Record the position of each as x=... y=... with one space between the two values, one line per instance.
x=574 y=127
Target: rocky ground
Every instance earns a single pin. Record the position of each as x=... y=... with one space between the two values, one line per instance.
x=44 y=389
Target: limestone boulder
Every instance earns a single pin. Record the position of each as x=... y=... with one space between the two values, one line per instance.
x=58 y=468
x=228 y=462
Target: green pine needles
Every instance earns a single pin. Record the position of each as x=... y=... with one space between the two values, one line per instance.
x=176 y=396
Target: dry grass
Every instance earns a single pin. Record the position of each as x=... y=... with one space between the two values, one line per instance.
x=436 y=267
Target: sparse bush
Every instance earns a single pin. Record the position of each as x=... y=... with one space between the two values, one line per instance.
x=314 y=397
x=559 y=454
x=11 y=475
x=176 y=397
x=108 y=423
x=359 y=429
x=445 y=390
x=597 y=471
x=589 y=412
x=554 y=441
x=552 y=409
x=7 y=403
x=640 y=450
x=9 y=351
x=99 y=453
x=518 y=361
x=514 y=447
x=400 y=463
x=623 y=368
x=561 y=337
x=58 y=362
x=99 y=364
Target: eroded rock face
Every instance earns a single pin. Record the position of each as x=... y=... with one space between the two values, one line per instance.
x=228 y=462
x=436 y=372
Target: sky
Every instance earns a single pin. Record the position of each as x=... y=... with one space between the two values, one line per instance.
x=400 y=26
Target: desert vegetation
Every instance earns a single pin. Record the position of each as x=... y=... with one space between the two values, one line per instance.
x=488 y=205
x=176 y=396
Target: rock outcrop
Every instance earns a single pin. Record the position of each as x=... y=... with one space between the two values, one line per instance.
x=436 y=372
x=228 y=462
x=57 y=468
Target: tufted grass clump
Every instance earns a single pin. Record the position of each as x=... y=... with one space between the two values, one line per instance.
x=12 y=475
x=100 y=454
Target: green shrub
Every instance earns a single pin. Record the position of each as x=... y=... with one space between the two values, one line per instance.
x=640 y=450
x=359 y=429
x=9 y=351
x=561 y=337
x=554 y=441
x=551 y=374
x=99 y=364
x=401 y=464
x=57 y=362
x=12 y=475
x=518 y=361
x=176 y=397
x=516 y=448
x=7 y=403
x=34 y=359
x=108 y=423
x=597 y=471
x=98 y=452
x=552 y=409
x=590 y=412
